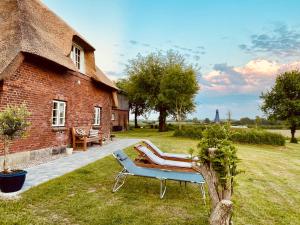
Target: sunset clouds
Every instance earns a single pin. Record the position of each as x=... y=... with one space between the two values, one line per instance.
x=253 y=77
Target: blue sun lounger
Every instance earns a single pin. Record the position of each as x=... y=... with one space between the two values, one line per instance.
x=129 y=168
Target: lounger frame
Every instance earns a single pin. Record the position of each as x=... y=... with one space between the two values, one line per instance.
x=122 y=175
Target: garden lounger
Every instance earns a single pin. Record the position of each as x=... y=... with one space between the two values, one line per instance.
x=129 y=168
x=169 y=156
x=148 y=159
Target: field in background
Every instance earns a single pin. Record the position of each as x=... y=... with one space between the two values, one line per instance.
x=286 y=133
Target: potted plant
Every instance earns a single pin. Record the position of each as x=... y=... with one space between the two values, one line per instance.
x=13 y=125
x=69 y=150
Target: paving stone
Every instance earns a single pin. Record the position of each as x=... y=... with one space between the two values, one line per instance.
x=41 y=173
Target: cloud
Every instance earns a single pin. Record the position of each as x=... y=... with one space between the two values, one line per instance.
x=200 y=47
x=196 y=57
x=280 y=41
x=253 y=77
x=133 y=42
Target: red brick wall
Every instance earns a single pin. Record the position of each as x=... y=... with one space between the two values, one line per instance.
x=121 y=118
x=38 y=83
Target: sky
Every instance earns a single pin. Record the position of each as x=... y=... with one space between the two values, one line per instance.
x=238 y=46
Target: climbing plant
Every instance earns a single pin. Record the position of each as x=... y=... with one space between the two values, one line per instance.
x=218 y=165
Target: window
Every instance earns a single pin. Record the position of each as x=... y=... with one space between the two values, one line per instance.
x=97 y=118
x=77 y=56
x=113 y=116
x=58 y=113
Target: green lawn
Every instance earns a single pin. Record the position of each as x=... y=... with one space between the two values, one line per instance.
x=267 y=193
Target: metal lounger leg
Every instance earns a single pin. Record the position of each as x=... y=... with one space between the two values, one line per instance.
x=163 y=188
x=120 y=180
x=203 y=193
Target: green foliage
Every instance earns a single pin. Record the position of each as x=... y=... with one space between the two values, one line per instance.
x=246 y=136
x=224 y=158
x=255 y=136
x=13 y=122
x=136 y=97
x=282 y=102
x=178 y=88
x=194 y=132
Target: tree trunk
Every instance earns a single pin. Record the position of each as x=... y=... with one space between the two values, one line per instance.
x=136 y=118
x=6 y=151
x=221 y=214
x=162 y=120
x=220 y=199
x=293 y=131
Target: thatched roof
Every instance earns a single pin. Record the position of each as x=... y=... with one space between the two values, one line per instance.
x=28 y=26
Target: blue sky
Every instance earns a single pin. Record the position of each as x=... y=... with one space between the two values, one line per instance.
x=239 y=46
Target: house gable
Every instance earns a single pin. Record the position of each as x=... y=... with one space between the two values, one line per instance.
x=30 y=27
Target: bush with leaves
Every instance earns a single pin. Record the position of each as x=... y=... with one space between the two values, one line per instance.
x=194 y=132
x=256 y=136
x=13 y=125
x=218 y=165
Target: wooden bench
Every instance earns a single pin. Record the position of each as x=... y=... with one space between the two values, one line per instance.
x=85 y=139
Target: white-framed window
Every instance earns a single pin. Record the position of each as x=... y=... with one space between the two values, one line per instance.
x=113 y=116
x=77 y=56
x=97 y=116
x=58 y=113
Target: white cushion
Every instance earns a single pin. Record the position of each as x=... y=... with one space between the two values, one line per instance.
x=178 y=164
x=175 y=155
x=160 y=161
x=151 y=155
x=154 y=147
x=94 y=133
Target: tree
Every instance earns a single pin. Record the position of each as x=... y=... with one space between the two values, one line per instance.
x=246 y=121
x=136 y=97
x=195 y=120
x=282 y=102
x=178 y=87
x=150 y=76
x=13 y=124
x=218 y=165
x=206 y=120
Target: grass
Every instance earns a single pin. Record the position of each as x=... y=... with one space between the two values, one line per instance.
x=267 y=193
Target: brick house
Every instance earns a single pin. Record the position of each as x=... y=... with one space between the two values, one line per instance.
x=51 y=68
x=120 y=114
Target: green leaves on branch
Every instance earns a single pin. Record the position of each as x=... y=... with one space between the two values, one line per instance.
x=282 y=102
x=218 y=151
x=162 y=82
x=13 y=122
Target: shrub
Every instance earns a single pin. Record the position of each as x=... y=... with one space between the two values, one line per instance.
x=171 y=126
x=194 y=132
x=254 y=136
x=13 y=125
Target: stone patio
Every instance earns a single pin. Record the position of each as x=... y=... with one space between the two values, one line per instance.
x=53 y=169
